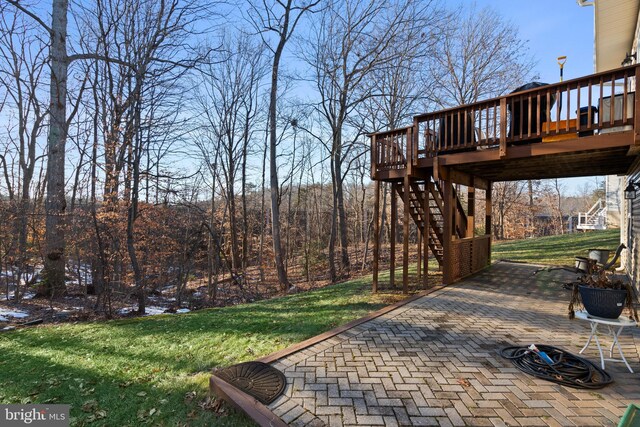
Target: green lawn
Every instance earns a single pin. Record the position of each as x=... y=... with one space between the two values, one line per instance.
x=556 y=250
x=144 y=371
x=155 y=370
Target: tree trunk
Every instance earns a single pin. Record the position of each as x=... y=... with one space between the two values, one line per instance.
x=132 y=213
x=273 y=165
x=342 y=216
x=55 y=204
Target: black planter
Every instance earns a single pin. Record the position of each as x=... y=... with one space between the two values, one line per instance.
x=606 y=303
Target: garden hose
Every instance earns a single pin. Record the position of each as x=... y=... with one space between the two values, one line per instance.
x=565 y=368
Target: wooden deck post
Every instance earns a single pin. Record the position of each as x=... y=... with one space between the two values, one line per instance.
x=471 y=211
x=503 y=127
x=374 y=156
x=392 y=240
x=419 y=263
x=405 y=237
x=425 y=234
x=487 y=221
x=376 y=239
x=447 y=270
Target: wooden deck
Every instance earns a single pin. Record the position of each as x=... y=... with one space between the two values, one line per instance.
x=502 y=132
x=582 y=127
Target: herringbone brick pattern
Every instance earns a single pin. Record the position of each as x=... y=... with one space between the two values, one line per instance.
x=436 y=362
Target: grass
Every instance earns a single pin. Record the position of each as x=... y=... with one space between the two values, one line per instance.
x=556 y=250
x=155 y=370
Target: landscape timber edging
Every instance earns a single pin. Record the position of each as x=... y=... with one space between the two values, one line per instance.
x=261 y=413
x=340 y=329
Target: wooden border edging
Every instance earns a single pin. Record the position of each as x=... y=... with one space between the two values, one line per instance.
x=333 y=332
x=259 y=412
x=245 y=403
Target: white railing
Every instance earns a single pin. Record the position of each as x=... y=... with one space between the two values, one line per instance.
x=595 y=218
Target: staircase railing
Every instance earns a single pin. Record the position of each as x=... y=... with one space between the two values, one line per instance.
x=596 y=216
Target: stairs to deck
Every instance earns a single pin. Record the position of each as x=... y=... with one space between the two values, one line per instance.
x=434 y=221
x=595 y=219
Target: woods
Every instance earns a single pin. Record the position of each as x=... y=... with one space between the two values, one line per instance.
x=209 y=153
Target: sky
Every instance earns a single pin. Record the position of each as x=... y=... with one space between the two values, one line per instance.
x=553 y=28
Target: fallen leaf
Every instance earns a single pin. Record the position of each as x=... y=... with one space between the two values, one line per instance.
x=464 y=382
x=189 y=396
x=89 y=406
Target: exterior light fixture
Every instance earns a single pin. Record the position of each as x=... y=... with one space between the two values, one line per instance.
x=630 y=191
x=561 y=61
x=628 y=60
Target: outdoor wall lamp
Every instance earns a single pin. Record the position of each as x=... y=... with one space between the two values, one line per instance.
x=628 y=59
x=630 y=191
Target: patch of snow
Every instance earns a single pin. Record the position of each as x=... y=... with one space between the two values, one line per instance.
x=12 y=294
x=150 y=310
x=8 y=297
x=153 y=310
x=6 y=313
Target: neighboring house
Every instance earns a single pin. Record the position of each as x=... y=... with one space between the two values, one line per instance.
x=617 y=32
x=614 y=199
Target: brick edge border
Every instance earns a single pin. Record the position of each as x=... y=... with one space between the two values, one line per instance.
x=259 y=412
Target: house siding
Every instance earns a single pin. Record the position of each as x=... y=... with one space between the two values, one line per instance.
x=630 y=231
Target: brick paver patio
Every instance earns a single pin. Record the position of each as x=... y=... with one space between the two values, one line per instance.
x=436 y=361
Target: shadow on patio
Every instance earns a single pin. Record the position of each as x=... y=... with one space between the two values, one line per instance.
x=435 y=361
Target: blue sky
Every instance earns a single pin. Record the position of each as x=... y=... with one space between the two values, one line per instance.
x=553 y=28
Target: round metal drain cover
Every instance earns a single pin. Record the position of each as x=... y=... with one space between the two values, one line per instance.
x=257 y=379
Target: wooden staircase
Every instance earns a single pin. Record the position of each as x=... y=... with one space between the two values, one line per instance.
x=435 y=218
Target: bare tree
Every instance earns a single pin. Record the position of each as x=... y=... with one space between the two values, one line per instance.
x=480 y=56
x=22 y=65
x=351 y=41
x=278 y=18
x=227 y=102
x=506 y=197
x=55 y=204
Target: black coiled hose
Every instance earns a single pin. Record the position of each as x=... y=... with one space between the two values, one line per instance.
x=566 y=369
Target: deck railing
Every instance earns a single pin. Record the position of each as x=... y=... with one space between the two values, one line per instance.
x=602 y=102
x=388 y=149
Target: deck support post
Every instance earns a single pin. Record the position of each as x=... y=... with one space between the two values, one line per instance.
x=425 y=234
x=471 y=211
x=487 y=221
x=392 y=240
x=405 y=236
x=419 y=263
x=447 y=233
x=376 y=238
